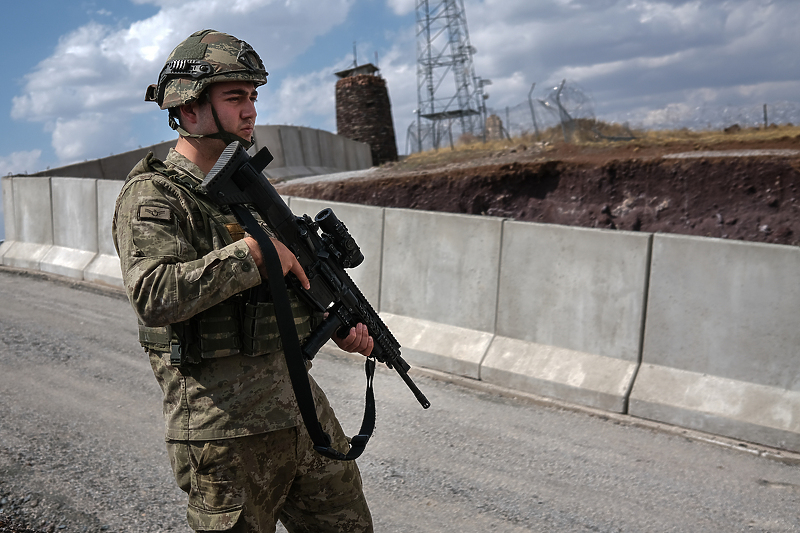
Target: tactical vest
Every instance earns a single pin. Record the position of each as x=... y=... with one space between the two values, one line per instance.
x=244 y=323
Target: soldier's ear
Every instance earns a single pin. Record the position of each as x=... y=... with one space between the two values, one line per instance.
x=187 y=114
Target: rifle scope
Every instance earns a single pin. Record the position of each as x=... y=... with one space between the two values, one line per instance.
x=340 y=238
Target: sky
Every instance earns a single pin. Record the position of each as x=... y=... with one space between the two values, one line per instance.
x=75 y=80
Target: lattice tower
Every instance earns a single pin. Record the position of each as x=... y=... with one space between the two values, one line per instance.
x=447 y=89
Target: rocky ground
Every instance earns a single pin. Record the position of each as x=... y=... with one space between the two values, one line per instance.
x=740 y=189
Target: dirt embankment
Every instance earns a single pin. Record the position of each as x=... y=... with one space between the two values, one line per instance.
x=751 y=197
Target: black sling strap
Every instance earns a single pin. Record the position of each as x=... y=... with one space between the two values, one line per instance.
x=294 y=354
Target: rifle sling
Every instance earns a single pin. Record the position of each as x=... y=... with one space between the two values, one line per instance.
x=294 y=354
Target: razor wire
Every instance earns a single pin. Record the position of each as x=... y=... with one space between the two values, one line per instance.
x=717 y=117
x=565 y=113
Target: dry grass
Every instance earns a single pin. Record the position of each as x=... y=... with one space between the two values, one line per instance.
x=464 y=151
x=587 y=136
x=711 y=137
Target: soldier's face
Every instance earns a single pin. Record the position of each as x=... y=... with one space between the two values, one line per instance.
x=235 y=104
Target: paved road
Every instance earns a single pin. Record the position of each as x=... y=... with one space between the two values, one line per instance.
x=81 y=439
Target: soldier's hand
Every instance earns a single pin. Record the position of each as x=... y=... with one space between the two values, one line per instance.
x=357 y=341
x=289 y=262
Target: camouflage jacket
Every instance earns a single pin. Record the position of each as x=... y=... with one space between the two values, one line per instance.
x=175 y=264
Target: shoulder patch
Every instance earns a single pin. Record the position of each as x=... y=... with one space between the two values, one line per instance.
x=236 y=231
x=154 y=212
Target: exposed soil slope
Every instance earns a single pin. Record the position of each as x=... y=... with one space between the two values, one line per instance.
x=707 y=191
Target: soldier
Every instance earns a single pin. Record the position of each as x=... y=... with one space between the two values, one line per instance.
x=233 y=430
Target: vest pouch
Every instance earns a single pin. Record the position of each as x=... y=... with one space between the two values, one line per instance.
x=165 y=339
x=216 y=331
x=260 y=333
x=226 y=329
x=158 y=339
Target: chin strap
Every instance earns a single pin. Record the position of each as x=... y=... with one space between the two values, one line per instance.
x=224 y=136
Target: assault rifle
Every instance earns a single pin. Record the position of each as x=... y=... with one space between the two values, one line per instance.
x=236 y=181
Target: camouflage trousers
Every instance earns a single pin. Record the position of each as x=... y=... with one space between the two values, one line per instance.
x=247 y=484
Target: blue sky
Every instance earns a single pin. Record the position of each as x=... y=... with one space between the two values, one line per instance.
x=74 y=89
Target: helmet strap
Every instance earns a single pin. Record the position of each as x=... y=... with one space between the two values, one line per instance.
x=224 y=136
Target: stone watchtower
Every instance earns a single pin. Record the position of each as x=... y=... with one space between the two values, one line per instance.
x=364 y=113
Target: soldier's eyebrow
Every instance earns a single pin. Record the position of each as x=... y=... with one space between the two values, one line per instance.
x=240 y=92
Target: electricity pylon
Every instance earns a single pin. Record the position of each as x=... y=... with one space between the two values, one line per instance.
x=448 y=90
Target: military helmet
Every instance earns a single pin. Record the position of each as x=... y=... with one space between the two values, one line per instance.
x=204 y=58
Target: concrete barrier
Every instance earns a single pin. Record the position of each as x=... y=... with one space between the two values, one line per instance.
x=552 y=310
x=297 y=151
x=301 y=152
x=31 y=220
x=270 y=137
x=311 y=149
x=360 y=154
x=74 y=227
x=292 y=144
x=294 y=159
x=92 y=169
x=570 y=313
x=117 y=167
x=327 y=152
x=722 y=342
x=105 y=267
x=439 y=287
x=312 y=157
x=8 y=216
x=339 y=151
x=114 y=167
x=352 y=155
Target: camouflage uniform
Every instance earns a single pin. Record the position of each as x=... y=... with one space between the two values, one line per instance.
x=234 y=433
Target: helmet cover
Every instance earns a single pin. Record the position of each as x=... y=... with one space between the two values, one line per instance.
x=204 y=58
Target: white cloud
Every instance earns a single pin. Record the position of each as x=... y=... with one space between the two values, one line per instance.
x=309 y=99
x=401 y=7
x=97 y=76
x=301 y=100
x=676 y=61
x=20 y=162
x=100 y=134
x=635 y=58
x=628 y=50
x=671 y=114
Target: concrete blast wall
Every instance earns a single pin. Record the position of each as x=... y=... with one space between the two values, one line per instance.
x=570 y=313
x=297 y=152
x=61 y=226
x=695 y=332
x=722 y=343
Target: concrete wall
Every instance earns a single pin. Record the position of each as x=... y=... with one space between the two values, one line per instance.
x=104 y=267
x=74 y=203
x=572 y=301
x=695 y=332
x=722 y=342
x=439 y=286
x=115 y=167
x=29 y=217
x=62 y=226
x=301 y=152
x=297 y=152
x=8 y=203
